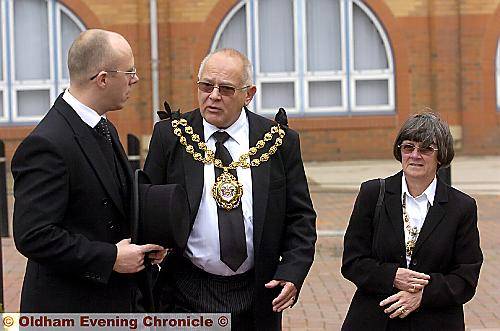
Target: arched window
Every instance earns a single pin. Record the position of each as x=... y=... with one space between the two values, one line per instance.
x=35 y=38
x=313 y=56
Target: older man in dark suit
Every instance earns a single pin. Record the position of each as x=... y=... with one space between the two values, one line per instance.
x=253 y=223
x=72 y=190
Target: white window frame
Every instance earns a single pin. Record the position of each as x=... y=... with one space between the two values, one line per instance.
x=32 y=84
x=326 y=76
x=55 y=84
x=374 y=74
x=301 y=76
x=276 y=77
x=225 y=22
x=4 y=117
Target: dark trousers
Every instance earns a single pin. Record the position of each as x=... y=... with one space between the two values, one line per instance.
x=194 y=290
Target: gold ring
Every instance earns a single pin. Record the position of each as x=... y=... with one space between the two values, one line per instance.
x=403 y=310
x=414 y=288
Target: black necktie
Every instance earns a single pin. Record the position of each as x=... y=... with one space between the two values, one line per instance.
x=233 y=248
x=103 y=129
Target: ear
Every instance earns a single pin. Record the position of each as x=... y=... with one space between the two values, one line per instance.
x=102 y=79
x=250 y=93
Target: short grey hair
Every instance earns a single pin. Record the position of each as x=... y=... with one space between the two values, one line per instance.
x=246 y=75
x=90 y=52
x=427 y=128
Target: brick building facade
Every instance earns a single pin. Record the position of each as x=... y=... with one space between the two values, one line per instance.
x=443 y=53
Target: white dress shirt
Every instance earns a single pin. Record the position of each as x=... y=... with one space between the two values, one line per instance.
x=203 y=247
x=87 y=114
x=417 y=207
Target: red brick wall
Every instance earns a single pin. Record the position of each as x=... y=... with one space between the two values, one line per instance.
x=444 y=54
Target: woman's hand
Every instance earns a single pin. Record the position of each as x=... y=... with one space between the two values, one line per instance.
x=410 y=281
x=402 y=303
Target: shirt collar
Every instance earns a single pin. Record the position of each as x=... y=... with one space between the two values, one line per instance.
x=429 y=192
x=238 y=130
x=87 y=114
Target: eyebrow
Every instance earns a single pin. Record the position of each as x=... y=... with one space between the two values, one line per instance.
x=224 y=82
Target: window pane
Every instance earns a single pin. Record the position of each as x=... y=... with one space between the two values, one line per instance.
x=369 y=51
x=325 y=94
x=69 y=32
x=372 y=92
x=323 y=35
x=276 y=36
x=32 y=103
x=235 y=33
x=275 y=95
x=31 y=40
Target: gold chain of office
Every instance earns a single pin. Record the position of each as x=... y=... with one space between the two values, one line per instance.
x=227 y=190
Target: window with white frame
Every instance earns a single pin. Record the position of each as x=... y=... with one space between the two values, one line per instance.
x=35 y=39
x=313 y=56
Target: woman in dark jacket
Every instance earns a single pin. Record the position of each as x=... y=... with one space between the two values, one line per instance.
x=415 y=260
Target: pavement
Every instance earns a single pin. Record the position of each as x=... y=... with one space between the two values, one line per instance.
x=326 y=295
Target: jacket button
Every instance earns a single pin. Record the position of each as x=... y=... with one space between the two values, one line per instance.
x=414 y=262
x=105 y=201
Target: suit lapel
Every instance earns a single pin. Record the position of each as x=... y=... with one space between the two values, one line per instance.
x=93 y=153
x=394 y=209
x=260 y=180
x=434 y=215
x=122 y=156
x=193 y=170
x=122 y=159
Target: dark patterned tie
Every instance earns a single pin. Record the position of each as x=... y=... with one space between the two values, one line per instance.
x=233 y=248
x=103 y=129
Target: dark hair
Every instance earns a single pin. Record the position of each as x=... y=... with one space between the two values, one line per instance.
x=427 y=128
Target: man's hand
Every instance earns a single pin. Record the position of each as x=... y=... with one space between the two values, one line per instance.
x=157 y=257
x=410 y=281
x=130 y=257
x=402 y=303
x=286 y=298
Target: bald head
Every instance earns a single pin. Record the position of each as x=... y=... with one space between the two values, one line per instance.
x=94 y=50
x=246 y=66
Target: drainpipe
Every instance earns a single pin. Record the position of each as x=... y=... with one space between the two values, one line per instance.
x=153 y=19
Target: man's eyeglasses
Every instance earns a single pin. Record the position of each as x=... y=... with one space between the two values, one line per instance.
x=225 y=90
x=132 y=73
x=408 y=148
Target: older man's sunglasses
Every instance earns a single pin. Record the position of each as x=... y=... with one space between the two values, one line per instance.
x=225 y=90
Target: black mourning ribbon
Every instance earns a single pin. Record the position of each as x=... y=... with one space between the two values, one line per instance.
x=233 y=249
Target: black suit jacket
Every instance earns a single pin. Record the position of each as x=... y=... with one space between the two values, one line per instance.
x=68 y=215
x=447 y=249
x=283 y=215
